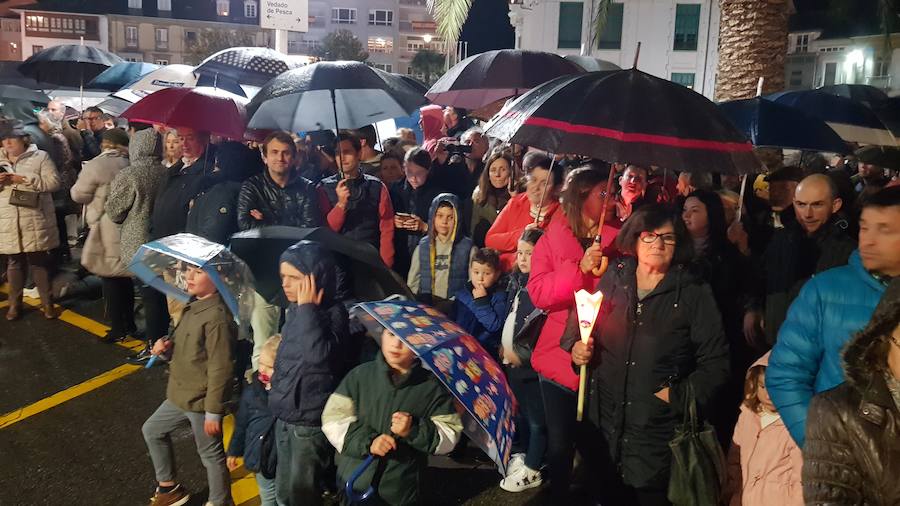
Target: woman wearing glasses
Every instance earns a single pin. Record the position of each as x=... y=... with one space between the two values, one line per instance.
x=658 y=333
x=562 y=263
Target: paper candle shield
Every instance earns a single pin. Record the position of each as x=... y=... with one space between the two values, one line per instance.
x=588 y=305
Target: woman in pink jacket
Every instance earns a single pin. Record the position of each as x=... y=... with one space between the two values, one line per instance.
x=764 y=462
x=562 y=263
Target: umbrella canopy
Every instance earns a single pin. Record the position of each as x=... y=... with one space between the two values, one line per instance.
x=13 y=92
x=881 y=156
x=175 y=76
x=202 y=109
x=591 y=64
x=328 y=95
x=414 y=83
x=162 y=264
x=121 y=74
x=770 y=124
x=460 y=364
x=494 y=75
x=248 y=65
x=114 y=106
x=366 y=277
x=627 y=116
x=858 y=92
x=68 y=64
x=853 y=121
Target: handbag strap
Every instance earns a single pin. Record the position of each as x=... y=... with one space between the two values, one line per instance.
x=690 y=407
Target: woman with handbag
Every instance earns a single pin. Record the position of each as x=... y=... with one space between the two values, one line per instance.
x=28 y=228
x=657 y=348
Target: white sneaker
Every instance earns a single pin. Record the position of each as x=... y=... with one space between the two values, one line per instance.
x=516 y=461
x=31 y=292
x=521 y=479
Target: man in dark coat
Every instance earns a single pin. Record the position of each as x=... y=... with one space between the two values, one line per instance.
x=91 y=132
x=816 y=241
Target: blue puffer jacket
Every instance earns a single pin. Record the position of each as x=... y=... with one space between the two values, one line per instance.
x=806 y=359
x=482 y=317
x=252 y=422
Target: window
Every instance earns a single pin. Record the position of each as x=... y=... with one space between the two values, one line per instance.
x=611 y=37
x=687 y=24
x=381 y=45
x=250 y=8
x=190 y=37
x=161 y=62
x=387 y=67
x=796 y=78
x=164 y=5
x=342 y=16
x=802 y=43
x=880 y=68
x=131 y=36
x=162 y=38
x=223 y=7
x=685 y=79
x=37 y=49
x=381 y=17
x=135 y=4
x=830 y=73
x=570 y=25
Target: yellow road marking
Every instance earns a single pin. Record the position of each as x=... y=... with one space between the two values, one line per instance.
x=66 y=395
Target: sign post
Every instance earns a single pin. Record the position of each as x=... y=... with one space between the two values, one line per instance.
x=283 y=16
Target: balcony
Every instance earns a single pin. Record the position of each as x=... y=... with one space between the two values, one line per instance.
x=881 y=82
x=418 y=26
x=413 y=3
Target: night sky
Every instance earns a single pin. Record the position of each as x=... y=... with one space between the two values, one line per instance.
x=488 y=27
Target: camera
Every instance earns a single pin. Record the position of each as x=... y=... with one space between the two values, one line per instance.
x=458 y=149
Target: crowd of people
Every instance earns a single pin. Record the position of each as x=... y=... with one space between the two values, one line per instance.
x=732 y=294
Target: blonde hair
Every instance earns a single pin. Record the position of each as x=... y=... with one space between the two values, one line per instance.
x=751 y=387
x=271 y=346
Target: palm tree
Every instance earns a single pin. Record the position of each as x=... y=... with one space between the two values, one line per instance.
x=753 y=38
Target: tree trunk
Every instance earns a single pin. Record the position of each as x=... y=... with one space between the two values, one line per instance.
x=753 y=40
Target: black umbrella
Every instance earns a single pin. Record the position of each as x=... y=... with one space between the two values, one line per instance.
x=413 y=82
x=859 y=92
x=851 y=119
x=770 y=124
x=627 y=116
x=494 y=75
x=366 y=275
x=328 y=95
x=592 y=64
x=254 y=66
x=68 y=64
x=13 y=92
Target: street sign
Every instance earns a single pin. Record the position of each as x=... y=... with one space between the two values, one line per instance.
x=290 y=15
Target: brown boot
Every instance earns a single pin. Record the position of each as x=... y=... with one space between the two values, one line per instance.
x=176 y=497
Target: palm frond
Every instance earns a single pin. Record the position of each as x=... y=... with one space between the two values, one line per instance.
x=449 y=16
x=599 y=20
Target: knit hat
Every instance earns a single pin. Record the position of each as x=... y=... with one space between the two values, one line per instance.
x=116 y=136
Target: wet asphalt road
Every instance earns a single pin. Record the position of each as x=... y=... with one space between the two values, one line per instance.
x=88 y=449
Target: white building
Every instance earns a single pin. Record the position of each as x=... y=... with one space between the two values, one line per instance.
x=679 y=39
x=43 y=29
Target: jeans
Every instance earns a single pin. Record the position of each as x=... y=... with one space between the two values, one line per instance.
x=531 y=405
x=304 y=457
x=119 y=296
x=264 y=321
x=266 y=490
x=157 y=433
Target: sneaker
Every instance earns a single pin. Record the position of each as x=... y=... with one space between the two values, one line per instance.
x=140 y=358
x=515 y=462
x=522 y=479
x=31 y=292
x=111 y=337
x=177 y=497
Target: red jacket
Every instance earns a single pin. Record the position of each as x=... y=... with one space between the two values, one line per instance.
x=504 y=234
x=555 y=277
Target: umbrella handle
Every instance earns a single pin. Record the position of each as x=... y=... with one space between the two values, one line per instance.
x=352 y=497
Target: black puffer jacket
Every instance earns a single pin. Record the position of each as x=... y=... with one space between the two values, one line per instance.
x=295 y=205
x=671 y=336
x=852 y=453
x=181 y=185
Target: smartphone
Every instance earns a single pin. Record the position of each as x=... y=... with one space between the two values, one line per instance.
x=405 y=216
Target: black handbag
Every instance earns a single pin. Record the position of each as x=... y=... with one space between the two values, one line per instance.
x=698 y=463
x=23 y=198
x=268 y=455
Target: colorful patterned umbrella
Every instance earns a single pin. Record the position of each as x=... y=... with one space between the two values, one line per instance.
x=248 y=65
x=162 y=264
x=461 y=365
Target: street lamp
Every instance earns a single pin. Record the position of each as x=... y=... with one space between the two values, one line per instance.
x=427 y=38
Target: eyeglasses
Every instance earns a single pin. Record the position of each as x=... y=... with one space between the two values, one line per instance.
x=651 y=237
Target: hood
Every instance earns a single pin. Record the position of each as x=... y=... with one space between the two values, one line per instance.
x=453 y=200
x=312 y=258
x=866 y=353
x=432 y=122
x=145 y=146
x=237 y=162
x=30 y=150
x=761 y=361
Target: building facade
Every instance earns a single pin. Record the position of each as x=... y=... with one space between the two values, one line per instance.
x=679 y=39
x=10 y=39
x=43 y=29
x=815 y=61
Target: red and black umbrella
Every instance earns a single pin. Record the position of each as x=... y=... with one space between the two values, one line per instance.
x=202 y=109
x=630 y=117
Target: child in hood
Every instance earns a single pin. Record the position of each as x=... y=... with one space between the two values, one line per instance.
x=764 y=462
x=396 y=410
x=440 y=263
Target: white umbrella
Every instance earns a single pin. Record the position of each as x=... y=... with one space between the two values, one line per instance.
x=170 y=76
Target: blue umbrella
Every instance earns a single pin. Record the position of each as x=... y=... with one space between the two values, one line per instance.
x=121 y=74
x=771 y=124
x=460 y=364
x=162 y=264
x=852 y=120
